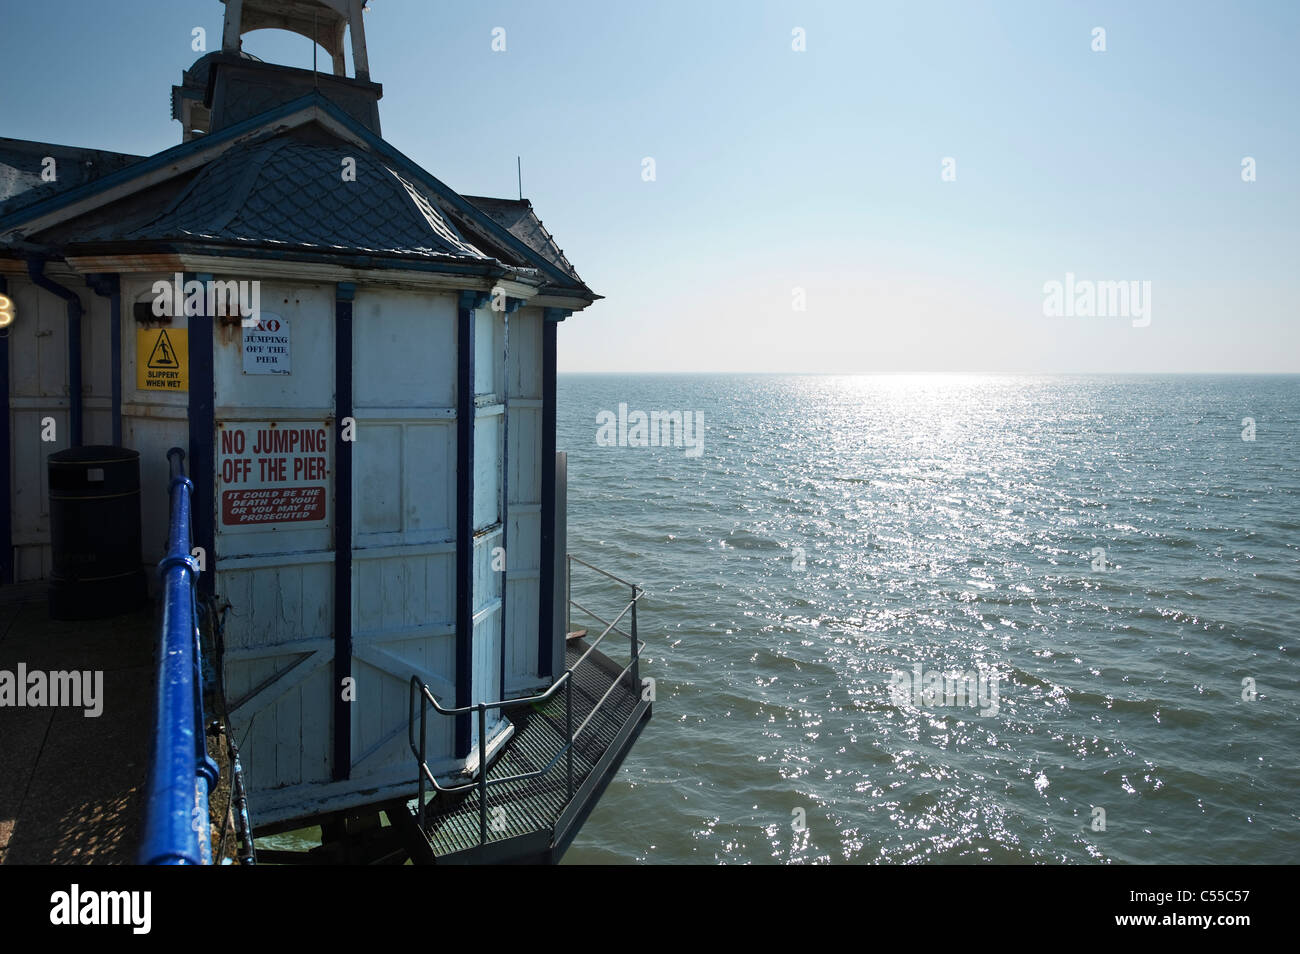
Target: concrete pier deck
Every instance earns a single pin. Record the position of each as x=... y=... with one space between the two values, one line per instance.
x=71 y=785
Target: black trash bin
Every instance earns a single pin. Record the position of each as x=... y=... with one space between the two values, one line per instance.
x=95 y=532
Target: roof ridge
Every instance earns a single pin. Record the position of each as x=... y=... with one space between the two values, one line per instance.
x=431 y=216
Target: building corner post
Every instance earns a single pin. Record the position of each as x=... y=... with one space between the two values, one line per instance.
x=344 y=426
x=467 y=303
x=203 y=433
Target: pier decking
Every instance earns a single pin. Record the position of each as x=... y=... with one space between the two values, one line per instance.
x=70 y=785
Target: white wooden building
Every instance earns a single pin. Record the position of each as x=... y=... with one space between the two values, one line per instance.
x=373 y=450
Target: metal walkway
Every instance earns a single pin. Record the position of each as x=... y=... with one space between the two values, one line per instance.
x=534 y=819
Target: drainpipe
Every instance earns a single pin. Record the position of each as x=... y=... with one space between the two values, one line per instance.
x=110 y=286
x=35 y=269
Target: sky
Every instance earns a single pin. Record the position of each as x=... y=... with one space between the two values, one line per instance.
x=801 y=216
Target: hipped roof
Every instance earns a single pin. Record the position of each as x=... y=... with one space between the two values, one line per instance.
x=276 y=182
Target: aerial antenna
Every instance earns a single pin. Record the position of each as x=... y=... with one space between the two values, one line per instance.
x=519 y=168
x=314 y=35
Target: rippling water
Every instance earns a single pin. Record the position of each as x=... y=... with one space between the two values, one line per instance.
x=837 y=530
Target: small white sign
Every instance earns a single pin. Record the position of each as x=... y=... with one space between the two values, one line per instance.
x=266 y=346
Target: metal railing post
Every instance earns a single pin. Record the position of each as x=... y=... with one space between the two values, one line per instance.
x=636 y=656
x=482 y=775
x=568 y=730
x=568 y=596
x=424 y=712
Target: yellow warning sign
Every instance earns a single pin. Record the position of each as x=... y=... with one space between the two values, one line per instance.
x=162 y=360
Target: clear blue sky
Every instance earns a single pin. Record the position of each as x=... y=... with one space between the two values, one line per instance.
x=818 y=170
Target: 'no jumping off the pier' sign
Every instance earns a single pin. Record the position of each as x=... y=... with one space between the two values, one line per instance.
x=271 y=474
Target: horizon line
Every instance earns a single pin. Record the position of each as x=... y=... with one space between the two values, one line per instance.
x=1025 y=373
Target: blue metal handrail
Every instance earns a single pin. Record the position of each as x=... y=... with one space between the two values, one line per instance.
x=176 y=829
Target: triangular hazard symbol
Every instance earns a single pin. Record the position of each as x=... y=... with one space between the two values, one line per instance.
x=163 y=356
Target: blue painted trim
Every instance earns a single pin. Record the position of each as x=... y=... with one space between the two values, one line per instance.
x=36 y=270
x=464 y=518
x=466 y=303
x=110 y=286
x=546 y=582
x=6 y=487
x=512 y=305
x=344 y=294
x=203 y=429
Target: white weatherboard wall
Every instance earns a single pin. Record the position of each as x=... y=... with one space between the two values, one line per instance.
x=39 y=389
x=404 y=547
x=278 y=577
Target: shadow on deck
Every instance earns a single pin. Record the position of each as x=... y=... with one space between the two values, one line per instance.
x=71 y=784
x=535 y=820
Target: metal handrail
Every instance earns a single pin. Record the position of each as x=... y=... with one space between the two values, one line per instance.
x=565 y=681
x=181 y=776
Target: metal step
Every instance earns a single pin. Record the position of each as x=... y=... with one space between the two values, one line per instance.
x=523 y=815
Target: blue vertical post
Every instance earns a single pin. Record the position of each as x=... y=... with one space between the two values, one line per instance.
x=344 y=294
x=546 y=635
x=465 y=306
x=512 y=305
x=203 y=428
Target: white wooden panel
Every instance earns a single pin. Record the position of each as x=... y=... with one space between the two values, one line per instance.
x=522 y=600
x=487 y=471
x=521 y=633
x=376 y=458
x=310 y=383
x=525 y=455
x=404 y=349
x=429 y=478
x=404 y=481
x=526 y=353
x=488 y=350
x=277 y=604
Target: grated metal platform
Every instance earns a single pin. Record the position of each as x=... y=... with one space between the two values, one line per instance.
x=534 y=820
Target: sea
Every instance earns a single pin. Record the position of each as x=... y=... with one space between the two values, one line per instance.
x=948 y=618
